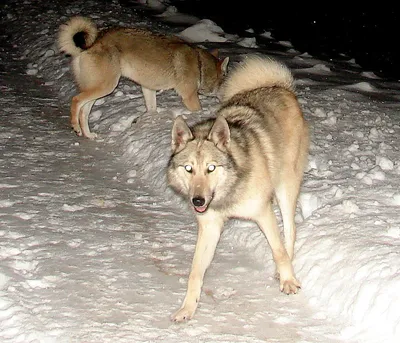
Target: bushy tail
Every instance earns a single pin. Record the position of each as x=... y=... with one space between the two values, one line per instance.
x=256 y=72
x=76 y=35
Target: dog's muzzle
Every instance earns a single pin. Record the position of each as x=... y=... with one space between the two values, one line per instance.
x=199 y=204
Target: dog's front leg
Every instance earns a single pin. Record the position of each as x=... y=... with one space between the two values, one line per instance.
x=191 y=101
x=210 y=227
x=150 y=99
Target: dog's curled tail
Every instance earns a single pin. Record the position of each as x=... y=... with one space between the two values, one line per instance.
x=77 y=35
x=256 y=72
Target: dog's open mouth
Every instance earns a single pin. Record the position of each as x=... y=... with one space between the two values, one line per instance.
x=200 y=209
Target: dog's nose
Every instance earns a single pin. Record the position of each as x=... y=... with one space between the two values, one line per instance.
x=198 y=201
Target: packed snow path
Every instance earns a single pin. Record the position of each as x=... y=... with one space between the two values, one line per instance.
x=94 y=249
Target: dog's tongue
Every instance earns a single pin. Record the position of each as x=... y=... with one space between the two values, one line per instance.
x=200 y=209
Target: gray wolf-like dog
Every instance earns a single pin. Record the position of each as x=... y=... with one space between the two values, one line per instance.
x=233 y=166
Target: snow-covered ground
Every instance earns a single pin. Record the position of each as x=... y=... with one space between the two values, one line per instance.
x=95 y=248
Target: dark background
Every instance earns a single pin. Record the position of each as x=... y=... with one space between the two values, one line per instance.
x=369 y=34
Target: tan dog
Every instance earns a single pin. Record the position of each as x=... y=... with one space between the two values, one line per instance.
x=232 y=167
x=152 y=60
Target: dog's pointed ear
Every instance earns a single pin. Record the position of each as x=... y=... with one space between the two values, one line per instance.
x=223 y=64
x=181 y=134
x=220 y=133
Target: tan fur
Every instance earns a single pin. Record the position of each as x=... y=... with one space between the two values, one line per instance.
x=152 y=60
x=256 y=72
x=258 y=144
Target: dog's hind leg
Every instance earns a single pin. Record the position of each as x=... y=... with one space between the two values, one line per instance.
x=79 y=116
x=82 y=104
x=74 y=118
x=288 y=188
x=268 y=225
x=80 y=108
x=150 y=99
x=97 y=75
x=210 y=227
x=296 y=138
x=84 y=120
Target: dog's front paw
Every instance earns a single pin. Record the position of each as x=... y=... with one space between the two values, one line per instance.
x=152 y=111
x=182 y=315
x=291 y=286
x=77 y=130
x=91 y=135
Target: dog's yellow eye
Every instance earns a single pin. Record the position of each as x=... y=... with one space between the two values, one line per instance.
x=188 y=168
x=211 y=168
